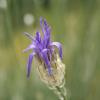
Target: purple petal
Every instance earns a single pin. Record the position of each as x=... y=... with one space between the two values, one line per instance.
x=46 y=39
x=28 y=35
x=46 y=60
x=38 y=37
x=29 y=47
x=42 y=25
x=29 y=64
x=38 y=42
x=46 y=27
x=59 y=46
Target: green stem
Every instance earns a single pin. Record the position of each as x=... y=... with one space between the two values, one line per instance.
x=61 y=92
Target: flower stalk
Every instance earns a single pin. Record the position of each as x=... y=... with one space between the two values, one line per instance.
x=61 y=92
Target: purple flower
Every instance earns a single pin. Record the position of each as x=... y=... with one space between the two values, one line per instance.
x=42 y=47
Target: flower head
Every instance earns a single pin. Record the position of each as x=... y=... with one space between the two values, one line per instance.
x=43 y=48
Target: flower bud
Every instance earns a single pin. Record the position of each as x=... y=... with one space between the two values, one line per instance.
x=57 y=72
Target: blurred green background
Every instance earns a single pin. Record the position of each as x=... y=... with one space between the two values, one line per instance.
x=75 y=23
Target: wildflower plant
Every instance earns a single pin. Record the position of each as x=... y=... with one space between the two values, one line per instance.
x=48 y=56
